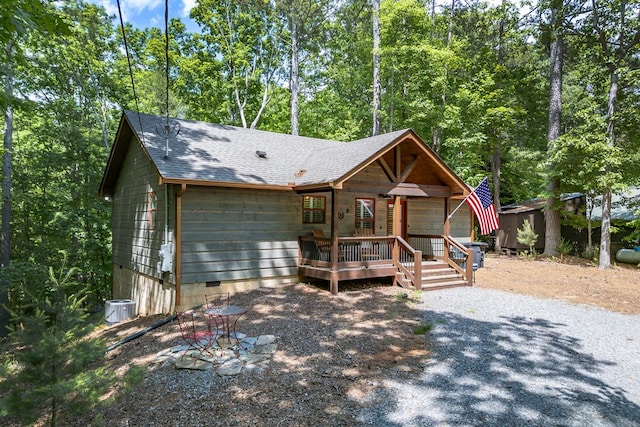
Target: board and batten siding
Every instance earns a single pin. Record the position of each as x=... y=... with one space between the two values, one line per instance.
x=239 y=234
x=138 y=232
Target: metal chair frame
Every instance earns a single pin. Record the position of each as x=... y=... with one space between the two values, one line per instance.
x=197 y=335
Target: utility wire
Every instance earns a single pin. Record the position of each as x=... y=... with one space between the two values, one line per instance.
x=133 y=85
x=166 y=52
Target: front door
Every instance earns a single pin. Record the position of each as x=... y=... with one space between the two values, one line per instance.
x=403 y=218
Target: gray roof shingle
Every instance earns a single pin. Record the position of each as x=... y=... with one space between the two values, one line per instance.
x=209 y=152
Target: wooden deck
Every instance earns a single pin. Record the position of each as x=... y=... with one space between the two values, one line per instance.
x=435 y=262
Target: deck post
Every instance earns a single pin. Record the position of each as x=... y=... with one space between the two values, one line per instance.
x=470 y=266
x=333 y=283
x=417 y=270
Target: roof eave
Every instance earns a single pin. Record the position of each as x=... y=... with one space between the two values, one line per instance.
x=245 y=185
x=115 y=159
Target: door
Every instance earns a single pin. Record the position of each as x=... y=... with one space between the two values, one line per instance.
x=403 y=218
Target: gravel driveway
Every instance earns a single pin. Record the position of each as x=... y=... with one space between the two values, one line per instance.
x=502 y=359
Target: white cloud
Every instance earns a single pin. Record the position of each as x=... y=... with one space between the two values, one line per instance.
x=187 y=5
x=140 y=5
x=110 y=6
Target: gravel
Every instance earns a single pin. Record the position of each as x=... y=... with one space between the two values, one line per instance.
x=503 y=359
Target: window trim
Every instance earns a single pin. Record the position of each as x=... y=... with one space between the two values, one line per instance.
x=358 y=220
x=313 y=209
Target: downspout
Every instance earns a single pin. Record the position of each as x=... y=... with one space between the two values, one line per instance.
x=179 y=243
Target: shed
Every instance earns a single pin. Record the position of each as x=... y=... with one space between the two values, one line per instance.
x=512 y=218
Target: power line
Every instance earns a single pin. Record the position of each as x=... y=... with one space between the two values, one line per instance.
x=133 y=85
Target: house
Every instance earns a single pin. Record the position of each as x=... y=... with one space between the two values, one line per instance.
x=201 y=207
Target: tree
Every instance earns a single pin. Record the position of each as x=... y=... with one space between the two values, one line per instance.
x=248 y=38
x=376 y=67
x=616 y=27
x=556 y=56
x=53 y=371
x=7 y=165
x=16 y=19
x=306 y=21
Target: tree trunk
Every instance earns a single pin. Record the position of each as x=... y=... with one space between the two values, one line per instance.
x=377 y=90
x=7 y=171
x=604 y=260
x=552 y=210
x=496 y=164
x=294 y=78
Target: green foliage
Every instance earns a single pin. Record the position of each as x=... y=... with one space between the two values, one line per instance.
x=26 y=283
x=527 y=236
x=422 y=329
x=564 y=247
x=413 y=297
x=18 y=17
x=51 y=367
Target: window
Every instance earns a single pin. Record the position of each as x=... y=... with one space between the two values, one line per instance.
x=313 y=209
x=365 y=214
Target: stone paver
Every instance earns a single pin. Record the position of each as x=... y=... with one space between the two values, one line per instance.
x=228 y=358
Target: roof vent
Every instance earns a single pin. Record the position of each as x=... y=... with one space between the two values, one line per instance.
x=261 y=154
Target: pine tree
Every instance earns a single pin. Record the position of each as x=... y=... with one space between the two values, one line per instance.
x=51 y=370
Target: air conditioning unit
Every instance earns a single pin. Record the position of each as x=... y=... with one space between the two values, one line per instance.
x=118 y=310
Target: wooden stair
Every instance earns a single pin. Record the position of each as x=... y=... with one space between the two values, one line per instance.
x=438 y=275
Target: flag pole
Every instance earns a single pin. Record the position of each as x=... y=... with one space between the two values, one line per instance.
x=461 y=203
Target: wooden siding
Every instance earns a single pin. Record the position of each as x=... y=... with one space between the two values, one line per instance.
x=151 y=296
x=238 y=234
x=136 y=240
x=461 y=221
x=424 y=215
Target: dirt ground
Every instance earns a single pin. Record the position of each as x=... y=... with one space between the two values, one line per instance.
x=572 y=279
x=333 y=351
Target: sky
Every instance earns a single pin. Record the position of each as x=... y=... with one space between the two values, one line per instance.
x=149 y=13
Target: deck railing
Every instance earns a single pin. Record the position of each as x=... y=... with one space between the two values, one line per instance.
x=409 y=263
x=359 y=250
x=431 y=245
x=459 y=257
x=385 y=252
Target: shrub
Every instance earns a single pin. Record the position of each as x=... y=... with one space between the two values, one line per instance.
x=564 y=247
x=528 y=237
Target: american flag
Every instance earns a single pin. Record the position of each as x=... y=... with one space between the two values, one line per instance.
x=482 y=205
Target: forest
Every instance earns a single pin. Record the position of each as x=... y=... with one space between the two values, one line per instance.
x=541 y=96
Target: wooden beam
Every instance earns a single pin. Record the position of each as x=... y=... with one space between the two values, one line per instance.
x=412 y=164
x=387 y=170
x=447 y=221
x=384 y=188
x=397 y=212
x=398 y=154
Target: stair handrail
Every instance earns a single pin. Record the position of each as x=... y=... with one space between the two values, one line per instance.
x=467 y=272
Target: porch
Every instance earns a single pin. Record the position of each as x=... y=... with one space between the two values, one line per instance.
x=424 y=262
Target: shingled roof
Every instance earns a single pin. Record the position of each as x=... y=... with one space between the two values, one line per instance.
x=212 y=154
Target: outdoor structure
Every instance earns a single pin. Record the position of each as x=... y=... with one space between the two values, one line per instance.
x=512 y=218
x=198 y=206
x=625 y=208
